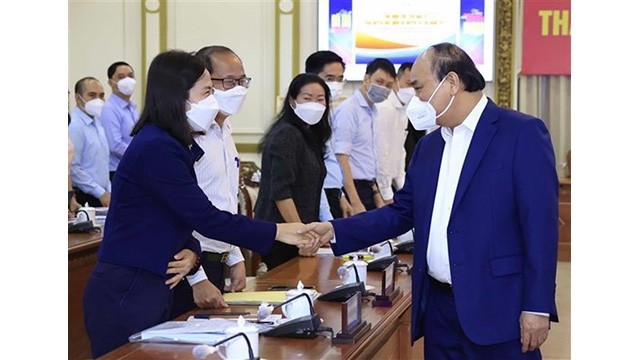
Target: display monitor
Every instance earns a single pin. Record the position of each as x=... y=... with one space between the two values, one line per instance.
x=400 y=30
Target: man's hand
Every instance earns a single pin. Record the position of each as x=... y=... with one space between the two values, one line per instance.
x=388 y=202
x=73 y=205
x=357 y=208
x=324 y=231
x=345 y=207
x=534 y=330
x=238 y=276
x=185 y=260
x=207 y=295
x=105 y=199
x=309 y=251
x=288 y=234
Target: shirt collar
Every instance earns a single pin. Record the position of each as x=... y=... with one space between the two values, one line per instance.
x=226 y=126
x=395 y=100
x=86 y=119
x=119 y=102
x=470 y=122
x=361 y=100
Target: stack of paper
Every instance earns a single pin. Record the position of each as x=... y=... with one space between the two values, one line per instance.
x=206 y=331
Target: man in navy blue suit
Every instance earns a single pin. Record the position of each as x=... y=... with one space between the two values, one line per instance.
x=482 y=194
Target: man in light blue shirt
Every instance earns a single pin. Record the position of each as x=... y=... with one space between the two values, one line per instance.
x=90 y=164
x=353 y=138
x=120 y=113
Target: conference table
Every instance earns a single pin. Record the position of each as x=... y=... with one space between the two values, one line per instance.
x=388 y=337
x=82 y=258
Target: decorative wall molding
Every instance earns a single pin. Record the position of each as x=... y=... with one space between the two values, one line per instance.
x=287 y=49
x=504 y=56
x=154 y=33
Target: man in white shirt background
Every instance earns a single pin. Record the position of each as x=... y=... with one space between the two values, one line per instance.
x=218 y=175
x=390 y=131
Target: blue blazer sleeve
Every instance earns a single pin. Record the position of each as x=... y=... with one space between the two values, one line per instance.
x=374 y=226
x=169 y=175
x=536 y=192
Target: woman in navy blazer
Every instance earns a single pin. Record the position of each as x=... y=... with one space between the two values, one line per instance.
x=156 y=203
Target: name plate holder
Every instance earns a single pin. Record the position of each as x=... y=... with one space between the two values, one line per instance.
x=352 y=325
x=389 y=291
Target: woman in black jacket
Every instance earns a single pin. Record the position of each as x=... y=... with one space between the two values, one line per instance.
x=293 y=161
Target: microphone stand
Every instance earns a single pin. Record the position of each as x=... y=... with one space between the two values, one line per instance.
x=246 y=339
x=303 y=294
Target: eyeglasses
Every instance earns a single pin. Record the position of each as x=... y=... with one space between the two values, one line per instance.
x=230 y=83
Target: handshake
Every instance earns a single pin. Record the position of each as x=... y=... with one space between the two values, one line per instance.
x=308 y=238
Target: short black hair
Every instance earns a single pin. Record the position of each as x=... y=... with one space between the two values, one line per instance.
x=316 y=62
x=404 y=67
x=79 y=87
x=451 y=58
x=171 y=75
x=381 y=64
x=113 y=67
x=206 y=52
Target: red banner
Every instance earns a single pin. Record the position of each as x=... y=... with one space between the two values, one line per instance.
x=546 y=37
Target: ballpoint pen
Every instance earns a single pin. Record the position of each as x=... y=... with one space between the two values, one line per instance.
x=220 y=313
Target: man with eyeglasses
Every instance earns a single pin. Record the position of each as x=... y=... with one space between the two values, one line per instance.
x=218 y=176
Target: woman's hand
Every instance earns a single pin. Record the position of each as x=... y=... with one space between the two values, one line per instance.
x=185 y=260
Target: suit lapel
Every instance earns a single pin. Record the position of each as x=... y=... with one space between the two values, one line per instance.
x=482 y=136
x=427 y=179
x=432 y=172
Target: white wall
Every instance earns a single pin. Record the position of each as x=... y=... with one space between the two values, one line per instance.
x=102 y=32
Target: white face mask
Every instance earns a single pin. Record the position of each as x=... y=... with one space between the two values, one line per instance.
x=310 y=112
x=336 y=88
x=127 y=85
x=405 y=94
x=93 y=107
x=377 y=93
x=231 y=100
x=203 y=113
x=422 y=114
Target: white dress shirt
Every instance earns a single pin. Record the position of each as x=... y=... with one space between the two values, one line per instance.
x=218 y=173
x=457 y=143
x=390 y=131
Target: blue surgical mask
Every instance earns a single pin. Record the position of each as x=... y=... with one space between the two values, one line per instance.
x=377 y=93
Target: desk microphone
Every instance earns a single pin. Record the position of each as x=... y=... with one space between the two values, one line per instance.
x=202 y=351
x=264 y=311
x=342 y=271
x=344 y=292
x=304 y=327
x=377 y=249
x=383 y=262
